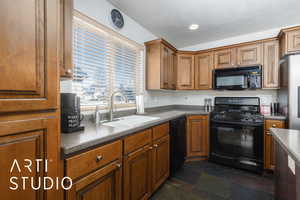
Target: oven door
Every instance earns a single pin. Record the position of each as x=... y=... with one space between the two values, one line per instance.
x=237 y=141
x=231 y=82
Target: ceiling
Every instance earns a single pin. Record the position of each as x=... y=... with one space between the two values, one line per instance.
x=217 y=19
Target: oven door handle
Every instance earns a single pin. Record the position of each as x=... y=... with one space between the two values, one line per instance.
x=236 y=123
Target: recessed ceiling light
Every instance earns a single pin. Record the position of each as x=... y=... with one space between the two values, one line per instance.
x=194 y=27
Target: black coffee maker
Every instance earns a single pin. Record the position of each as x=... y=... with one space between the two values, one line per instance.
x=70 y=113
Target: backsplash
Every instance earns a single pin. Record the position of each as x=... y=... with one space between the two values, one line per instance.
x=166 y=97
x=161 y=98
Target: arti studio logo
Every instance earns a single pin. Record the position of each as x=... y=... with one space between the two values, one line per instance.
x=35 y=182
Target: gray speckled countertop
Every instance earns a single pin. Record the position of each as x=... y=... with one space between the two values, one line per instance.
x=95 y=135
x=289 y=140
x=275 y=117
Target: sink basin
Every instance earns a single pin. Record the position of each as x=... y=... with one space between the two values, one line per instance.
x=131 y=120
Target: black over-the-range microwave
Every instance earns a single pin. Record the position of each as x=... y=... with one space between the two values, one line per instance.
x=240 y=78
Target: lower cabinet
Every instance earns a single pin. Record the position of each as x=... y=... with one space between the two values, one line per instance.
x=137 y=174
x=269 y=146
x=161 y=161
x=99 y=174
x=103 y=184
x=197 y=136
x=22 y=142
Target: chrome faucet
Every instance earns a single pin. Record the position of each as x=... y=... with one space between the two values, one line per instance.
x=112 y=102
x=97 y=115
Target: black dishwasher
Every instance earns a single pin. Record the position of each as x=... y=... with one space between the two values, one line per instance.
x=177 y=144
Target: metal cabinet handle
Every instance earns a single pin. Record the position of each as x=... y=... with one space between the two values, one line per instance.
x=268 y=133
x=118 y=165
x=99 y=158
x=156 y=145
x=69 y=71
x=274 y=126
x=150 y=148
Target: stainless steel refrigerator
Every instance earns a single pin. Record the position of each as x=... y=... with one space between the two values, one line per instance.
x=289 y=92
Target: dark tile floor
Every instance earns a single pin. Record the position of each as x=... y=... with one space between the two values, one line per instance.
x=208 y=181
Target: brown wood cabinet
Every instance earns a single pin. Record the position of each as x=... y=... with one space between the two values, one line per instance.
x=269 y=150
x=248 y=55
x=225 y=58
x=89 y=161
x=271 y=64
x=204 y=65
x=105 y=183
x=28 y=54
x=161 y=161
x=289 y=40
x=29 y=82
x=185 y=72
x=99 y=173
x=197 y=136
x=160 y=66
x=28 y=138
x=66 y=38
x=137 y=174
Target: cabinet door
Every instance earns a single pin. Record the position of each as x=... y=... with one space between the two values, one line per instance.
x=293 y=41
x=66 y=38
x=27 y=139
x=225 y=58
x=171 y=70
x=249 y=55
x=197 y=136
x=203 y=71
x=29 y=58
x=185 y=72
x=269 y=143
x=165 y=63
x=271 y=64
x=104 y=184
x=161 y=161
x=137 y=174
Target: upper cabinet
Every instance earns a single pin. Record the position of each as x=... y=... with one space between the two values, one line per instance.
x=204 y=64
x=66 y=38
x=185 y=72
x=249 y=55
x=169 y=68
x=290 y=41
x=271 y=64
x=225 y=58
x=160 y=66
x=29 y=55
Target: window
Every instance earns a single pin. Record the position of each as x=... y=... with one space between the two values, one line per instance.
x=104 y=62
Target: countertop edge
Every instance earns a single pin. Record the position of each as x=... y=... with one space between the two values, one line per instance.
x=285 y=147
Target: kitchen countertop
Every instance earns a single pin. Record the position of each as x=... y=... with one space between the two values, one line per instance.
x=94 y=135
x=275 y=117
x=289 y=140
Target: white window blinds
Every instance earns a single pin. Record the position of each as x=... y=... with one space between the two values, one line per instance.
x=104 y=62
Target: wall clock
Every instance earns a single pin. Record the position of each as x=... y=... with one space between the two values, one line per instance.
x=117 y=18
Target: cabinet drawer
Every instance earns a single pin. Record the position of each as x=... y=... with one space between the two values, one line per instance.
x=274 y=124
x=136 y=141
x=160 y=131
x=84 y=163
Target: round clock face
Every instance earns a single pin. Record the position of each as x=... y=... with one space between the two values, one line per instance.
x=117 y=18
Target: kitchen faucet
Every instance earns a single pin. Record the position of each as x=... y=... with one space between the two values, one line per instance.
x=112 y=102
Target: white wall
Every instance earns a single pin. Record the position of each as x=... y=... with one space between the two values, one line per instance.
x=100 y=11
